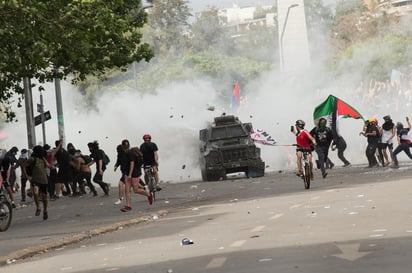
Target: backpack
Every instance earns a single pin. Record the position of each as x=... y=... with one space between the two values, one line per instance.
x=105 y=158
x=137 y=152
x=29 y=168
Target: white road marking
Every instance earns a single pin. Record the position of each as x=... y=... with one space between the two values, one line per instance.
x=350 y=252
x=276 y=216
x=258 y=228
x=376 y=235
x=238 y=243
x=295 y=206
x=379 y=230
x=216 y=262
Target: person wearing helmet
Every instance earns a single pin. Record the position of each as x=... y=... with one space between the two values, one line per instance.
x=404 y=141
x=150 y=158
x=323 y=136
x=303 y=140
x=371 y=132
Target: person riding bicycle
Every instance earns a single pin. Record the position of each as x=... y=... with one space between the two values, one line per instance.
x=303 y=141
x=150 y=158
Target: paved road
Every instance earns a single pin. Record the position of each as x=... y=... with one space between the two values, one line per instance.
x=75 y=219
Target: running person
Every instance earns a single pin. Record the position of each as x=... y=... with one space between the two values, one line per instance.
x=303 y=140
x=38 y=178
x=150 y=158
x=404 y=142
x=133 y=172
x=122 y=162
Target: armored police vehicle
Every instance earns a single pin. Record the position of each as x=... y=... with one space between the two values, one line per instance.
x=226 y=147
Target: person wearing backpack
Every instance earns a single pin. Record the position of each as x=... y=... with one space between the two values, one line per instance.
x=323 y=136
x=98 y=155
x=38 y=178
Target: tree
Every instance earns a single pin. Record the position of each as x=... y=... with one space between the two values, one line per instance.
x=207 y=30
x=43 y=40
x=168 y=25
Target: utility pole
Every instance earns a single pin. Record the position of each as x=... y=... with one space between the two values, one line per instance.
x=43 y=126
x=28 y=101
x=59 y=106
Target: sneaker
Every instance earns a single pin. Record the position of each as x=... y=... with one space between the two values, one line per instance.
x=13 y=205
x=346 y=165
x=150 y=198
x=158 y=188
x=324 y=174
x=331 y=165
x=119 y=201
x=126 y=209
x=37 y=212
x=45 y=215
x=299 y=173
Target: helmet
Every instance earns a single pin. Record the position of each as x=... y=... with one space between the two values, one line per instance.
x=147 y=136
x=373 y=120
x=300 y=123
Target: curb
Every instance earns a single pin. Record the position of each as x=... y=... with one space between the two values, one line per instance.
x=75 y=238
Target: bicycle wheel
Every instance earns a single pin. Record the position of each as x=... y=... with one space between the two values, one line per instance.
x=306 y=177
x=151 y=185
x=5 y=215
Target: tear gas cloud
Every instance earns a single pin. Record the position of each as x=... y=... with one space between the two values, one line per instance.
x=174 y=116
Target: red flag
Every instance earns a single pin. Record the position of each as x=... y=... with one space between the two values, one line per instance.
x=236 y=95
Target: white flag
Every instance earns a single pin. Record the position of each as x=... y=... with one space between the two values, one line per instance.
x=262 y=137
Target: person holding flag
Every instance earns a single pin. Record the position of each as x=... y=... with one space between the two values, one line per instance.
x=332 y=109
x=323 y=136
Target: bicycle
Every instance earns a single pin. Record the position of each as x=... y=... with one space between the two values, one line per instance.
x=6 y=211
x=151 y=182
x=307 y=170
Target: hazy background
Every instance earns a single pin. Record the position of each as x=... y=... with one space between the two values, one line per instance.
x=176 y=113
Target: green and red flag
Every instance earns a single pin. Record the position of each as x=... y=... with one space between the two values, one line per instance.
x=332 y=109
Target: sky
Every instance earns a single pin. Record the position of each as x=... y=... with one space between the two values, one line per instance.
x=176 y=113
x=198 y=5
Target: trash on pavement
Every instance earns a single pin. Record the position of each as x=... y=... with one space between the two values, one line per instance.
x=186 y=241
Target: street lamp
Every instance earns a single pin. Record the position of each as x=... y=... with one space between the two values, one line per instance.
x=282 y=61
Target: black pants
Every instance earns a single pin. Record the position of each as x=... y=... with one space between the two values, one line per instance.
x=341 y=147
x=370 y=154
x=84 y=176
x=401 y=147
x=52 y=182
x=322 y=152
x=98 y=179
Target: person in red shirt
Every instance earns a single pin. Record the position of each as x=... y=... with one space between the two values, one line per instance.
x=303 y=140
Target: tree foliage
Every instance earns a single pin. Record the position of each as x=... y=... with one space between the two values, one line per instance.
x=168 y=24
x=43 y=40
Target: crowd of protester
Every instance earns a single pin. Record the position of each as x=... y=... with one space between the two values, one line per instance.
x=49 y=173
